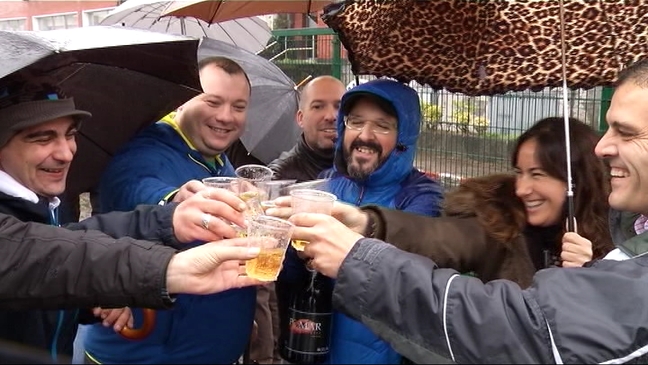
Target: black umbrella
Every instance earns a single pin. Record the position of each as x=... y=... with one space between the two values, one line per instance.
x=126 y=78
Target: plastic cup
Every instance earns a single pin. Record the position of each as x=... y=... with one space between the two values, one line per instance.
x=310 y=201
x=272 y=235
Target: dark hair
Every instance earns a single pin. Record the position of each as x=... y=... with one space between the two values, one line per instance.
x=21 y=92
x=225 y=64
x=589 y=173
x=636 y=72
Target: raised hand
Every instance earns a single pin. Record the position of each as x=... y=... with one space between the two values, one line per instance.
x=211 y=268
x=206 y=216
x=329 y=240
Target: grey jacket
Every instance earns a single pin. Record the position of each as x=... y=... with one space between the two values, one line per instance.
x=434 y=315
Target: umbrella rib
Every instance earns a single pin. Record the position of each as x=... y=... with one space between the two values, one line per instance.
x=211 y=20
x=252 y=19
x=143 y=16
x=94 y=143
x=202 y=26
x=229 y=36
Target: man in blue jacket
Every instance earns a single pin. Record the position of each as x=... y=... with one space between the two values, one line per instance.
x=161 y=165
x=378 y=122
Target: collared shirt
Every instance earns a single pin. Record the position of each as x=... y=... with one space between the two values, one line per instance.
x=641 y=224
x=12 y=187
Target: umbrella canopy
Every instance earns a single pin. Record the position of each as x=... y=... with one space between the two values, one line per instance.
x=213 y=11
x=126 y=78
x=489 y=47
x=270 y=127
x=251 y=34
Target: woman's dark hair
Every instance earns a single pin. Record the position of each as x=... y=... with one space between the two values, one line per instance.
x=590 y=174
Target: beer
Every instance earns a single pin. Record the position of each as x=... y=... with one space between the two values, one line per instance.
x=267 y=204
x=299 y=245
x=305 y=335
x=267 y=265
x=251 y=199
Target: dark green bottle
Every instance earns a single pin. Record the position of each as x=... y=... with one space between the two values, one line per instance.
x=308 y=333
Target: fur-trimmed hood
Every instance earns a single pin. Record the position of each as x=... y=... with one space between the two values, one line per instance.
x=492 y=200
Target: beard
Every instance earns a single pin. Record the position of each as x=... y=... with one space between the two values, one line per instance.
x=363 y=169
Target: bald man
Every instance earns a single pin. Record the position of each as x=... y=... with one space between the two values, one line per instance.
x=318 y=108
x=313 y=153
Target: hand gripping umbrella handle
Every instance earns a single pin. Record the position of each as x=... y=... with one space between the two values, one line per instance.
x=148 y=324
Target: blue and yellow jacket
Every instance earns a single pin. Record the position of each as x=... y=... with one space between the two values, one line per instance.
x=199 y=329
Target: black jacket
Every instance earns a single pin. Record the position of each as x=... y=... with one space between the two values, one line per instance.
x=42 y=261
x=301 y=163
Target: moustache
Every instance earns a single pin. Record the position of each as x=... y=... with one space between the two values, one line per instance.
x=359 y=143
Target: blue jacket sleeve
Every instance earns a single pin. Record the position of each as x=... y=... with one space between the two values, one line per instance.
x=420 y=195
x=135 y=176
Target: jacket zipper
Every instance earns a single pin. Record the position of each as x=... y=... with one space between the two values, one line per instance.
x=362 y=190
x=201 y=164
x=61 y=313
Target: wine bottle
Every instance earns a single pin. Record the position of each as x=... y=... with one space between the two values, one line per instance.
x=307 y=336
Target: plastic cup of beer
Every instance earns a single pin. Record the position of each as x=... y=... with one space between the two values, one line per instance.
x=310 y=201
x=220 y=182
x=273 y=189
x=250 y=188
x=254 y=173
x=272 y=235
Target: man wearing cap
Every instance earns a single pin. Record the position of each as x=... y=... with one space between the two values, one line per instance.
x=378 y=125
x=37 y=145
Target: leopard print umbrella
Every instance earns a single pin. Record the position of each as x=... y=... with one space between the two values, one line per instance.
x=482 y=47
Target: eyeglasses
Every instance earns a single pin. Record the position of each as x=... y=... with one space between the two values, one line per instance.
x=358 y=124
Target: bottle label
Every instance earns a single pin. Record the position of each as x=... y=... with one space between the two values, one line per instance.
x=309 y=332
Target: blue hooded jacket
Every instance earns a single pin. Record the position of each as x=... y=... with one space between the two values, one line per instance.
x=395 y=184
x=199 y=329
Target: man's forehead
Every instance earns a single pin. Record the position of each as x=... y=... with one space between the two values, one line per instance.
x=324 y=89
x=213 y=77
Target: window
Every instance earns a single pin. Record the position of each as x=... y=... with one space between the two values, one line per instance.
x=13 y=24
x=56 y=21
x=95 y=16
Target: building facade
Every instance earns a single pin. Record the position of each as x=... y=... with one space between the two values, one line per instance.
x=52 y=14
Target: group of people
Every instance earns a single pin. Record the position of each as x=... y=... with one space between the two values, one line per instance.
x=396 y=244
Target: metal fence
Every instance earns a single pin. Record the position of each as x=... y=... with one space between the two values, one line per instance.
x=461 y=136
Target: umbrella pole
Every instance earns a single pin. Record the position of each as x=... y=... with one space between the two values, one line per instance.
x=303 y=82
x=570 y=186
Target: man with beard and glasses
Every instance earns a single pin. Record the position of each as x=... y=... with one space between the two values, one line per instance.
x=378 y=125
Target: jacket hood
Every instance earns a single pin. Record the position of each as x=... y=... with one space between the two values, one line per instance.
x=405 y=101
x=492 y=200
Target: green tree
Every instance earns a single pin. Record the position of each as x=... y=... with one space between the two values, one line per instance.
x=431 y=116
x=465 y=118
